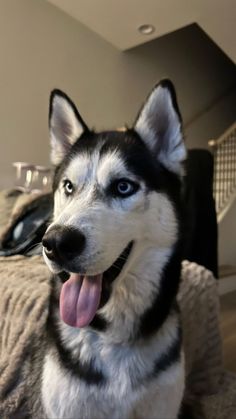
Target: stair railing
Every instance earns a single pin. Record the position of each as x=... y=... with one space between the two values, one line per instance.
x=224 y=183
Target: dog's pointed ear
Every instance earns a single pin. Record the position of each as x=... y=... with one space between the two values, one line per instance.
x=159 y=124
x=65 y=125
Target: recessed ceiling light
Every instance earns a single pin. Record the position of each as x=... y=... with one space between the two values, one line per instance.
x=146 y=29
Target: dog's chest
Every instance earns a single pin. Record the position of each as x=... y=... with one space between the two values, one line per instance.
x=65 y=395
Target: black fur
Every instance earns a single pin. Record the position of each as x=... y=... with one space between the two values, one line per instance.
x=154 y=316
x=138 y=159
x=186 y=412
x=171 y=356
x=99 y=323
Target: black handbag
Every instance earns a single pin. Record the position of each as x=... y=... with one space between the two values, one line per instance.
x=24 y=232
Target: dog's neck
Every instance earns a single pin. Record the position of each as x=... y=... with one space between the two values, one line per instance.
x=141 y=299
x=134 y=292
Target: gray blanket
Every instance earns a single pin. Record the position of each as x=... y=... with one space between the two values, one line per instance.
x=24 y=291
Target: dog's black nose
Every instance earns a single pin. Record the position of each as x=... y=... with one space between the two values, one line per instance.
x=63 y=243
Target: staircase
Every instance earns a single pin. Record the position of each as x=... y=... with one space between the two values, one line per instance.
x=224 y=186
x=224 y=190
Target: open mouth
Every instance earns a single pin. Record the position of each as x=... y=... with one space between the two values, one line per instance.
x=82 y=295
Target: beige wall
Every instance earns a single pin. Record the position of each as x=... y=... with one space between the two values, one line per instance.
x=227 y=238
x=42 y=48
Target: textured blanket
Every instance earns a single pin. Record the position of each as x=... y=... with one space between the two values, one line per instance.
x=24 y=293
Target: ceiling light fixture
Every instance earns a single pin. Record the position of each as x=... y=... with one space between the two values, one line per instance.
x=146 y=29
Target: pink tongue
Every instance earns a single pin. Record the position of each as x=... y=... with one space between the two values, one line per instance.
x=79 y=299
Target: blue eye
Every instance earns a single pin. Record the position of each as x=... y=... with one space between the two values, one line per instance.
x=68 y=187
x=125 y=188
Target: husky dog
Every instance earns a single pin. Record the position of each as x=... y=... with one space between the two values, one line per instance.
x=114 y=247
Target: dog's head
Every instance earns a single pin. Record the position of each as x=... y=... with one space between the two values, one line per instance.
x=115 y=194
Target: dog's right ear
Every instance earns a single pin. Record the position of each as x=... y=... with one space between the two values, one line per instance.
x=65 y=125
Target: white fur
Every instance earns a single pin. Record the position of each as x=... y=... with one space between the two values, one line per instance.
x=64 y=396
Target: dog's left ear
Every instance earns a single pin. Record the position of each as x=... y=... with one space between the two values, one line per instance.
x=159 y=124
x=65 y=125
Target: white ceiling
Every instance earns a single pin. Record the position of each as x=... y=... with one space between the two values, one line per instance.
x=117 y=20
